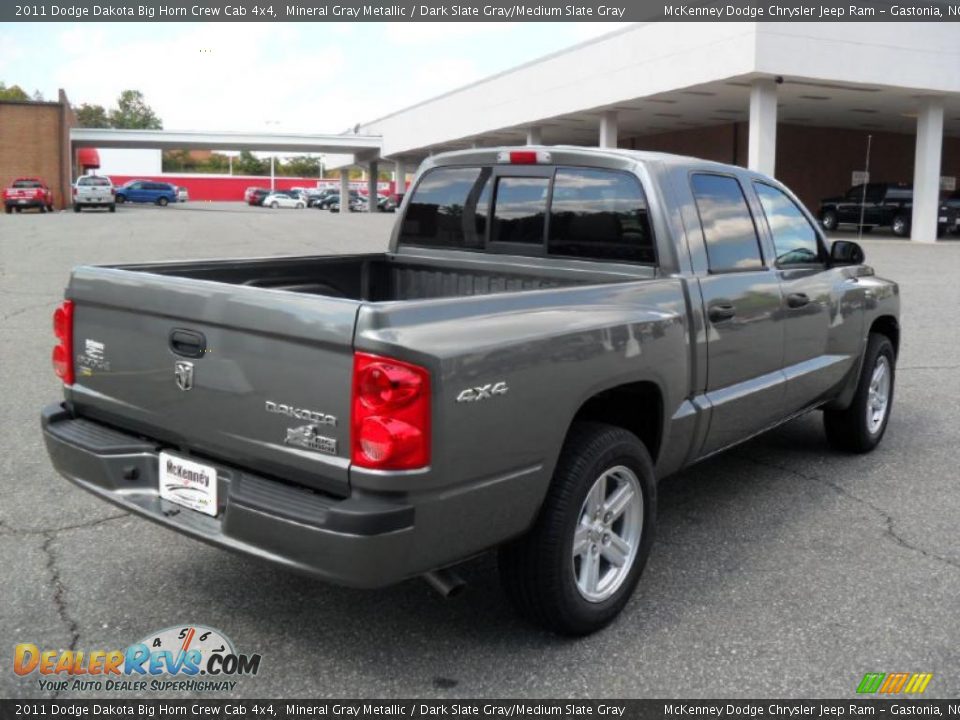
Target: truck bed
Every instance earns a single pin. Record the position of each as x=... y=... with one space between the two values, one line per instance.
x=379 y=277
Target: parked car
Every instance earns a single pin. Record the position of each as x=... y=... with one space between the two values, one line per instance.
x=950 y=212
x=94 y=191
x=183 y=194
x=147 y=191
x=519 y=370
x=332 y=202
x=25 y=193
x=315 y=195
x=878 y=204
x=255 y=196
x=283 y=199
x=384 y=204
x=333 y=197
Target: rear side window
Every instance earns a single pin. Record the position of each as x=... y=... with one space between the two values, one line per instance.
x=26 y=184
x=93 y=182
x=443 y=209
x=599 y=214
x=728 y=229
x=520 y=210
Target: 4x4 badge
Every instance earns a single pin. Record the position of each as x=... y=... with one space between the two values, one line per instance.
x=183 y=372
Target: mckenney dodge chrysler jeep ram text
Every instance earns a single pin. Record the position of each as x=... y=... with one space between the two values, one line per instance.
x=550 y=332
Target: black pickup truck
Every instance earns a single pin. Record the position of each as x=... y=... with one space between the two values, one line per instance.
x=877 y=204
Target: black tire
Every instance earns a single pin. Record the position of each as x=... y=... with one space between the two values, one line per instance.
x=274 y=204
x=121 y=199
x=162 y=201
x=42 y=209
x=900 y=226
x=849 y=430
x=76 y=208
x=18 y=210
x=7 y=209
x=113 y=207
x=537 y=570
x=49 y=208
x=829 y=220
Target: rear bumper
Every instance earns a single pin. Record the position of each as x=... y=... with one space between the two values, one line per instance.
x=360 y=541
x=25 y=203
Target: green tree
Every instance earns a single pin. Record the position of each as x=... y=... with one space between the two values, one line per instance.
x=14 y=92
x=92 y=116
x=247 y=164
x=300 y=166
x=132 y=112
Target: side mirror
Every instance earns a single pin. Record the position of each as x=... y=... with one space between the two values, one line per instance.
x=846 y=252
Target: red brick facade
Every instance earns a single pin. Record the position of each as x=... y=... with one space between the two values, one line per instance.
x=35 y=142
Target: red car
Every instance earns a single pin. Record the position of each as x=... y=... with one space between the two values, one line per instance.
x=28 y=193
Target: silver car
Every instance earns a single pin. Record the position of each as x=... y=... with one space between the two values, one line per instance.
x=94 y=191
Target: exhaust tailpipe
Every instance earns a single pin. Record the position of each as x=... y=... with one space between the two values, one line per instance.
x=445 y=581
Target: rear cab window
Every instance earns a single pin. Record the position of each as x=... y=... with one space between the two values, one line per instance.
x=733 y=244
x=573 y=212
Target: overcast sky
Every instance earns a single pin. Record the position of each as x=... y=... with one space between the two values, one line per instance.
x=316 y=77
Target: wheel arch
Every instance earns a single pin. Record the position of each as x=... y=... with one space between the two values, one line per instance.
x=634 y=406
x=888 y=326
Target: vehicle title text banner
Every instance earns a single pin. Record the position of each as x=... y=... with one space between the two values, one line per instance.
x=516 y=709
x=471 y=10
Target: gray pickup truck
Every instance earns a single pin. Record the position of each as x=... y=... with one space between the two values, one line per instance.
x=552 y=330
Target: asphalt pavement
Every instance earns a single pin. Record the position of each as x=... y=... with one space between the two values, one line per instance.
x=781 y=568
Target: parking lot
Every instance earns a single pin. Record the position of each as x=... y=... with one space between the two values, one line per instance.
x=781 y=569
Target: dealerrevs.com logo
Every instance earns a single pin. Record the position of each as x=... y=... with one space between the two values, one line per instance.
x=894 y=683
x=191 y=658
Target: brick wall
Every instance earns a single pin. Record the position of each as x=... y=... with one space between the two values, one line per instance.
x=35 y=142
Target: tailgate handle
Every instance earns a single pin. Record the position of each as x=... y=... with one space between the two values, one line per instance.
x=188 y=343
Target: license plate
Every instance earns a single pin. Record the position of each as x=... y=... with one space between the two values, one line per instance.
x=188 y=483
x=22 y=202
x=942 y=218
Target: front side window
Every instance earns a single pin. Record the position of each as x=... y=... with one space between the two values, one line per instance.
x=794 y=238
x=599 y=214
x=443 y=209
x=728 y=229
x=520 y=209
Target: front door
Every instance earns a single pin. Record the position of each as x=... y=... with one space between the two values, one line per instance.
x=821 y=305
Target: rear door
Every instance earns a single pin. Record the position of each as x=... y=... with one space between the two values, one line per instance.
x=242 y=375
x=822 y=306
x=742 y=301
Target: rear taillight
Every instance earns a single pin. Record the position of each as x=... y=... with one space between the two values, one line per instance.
x=390 y=414
x=74 y=192
x=63 y=350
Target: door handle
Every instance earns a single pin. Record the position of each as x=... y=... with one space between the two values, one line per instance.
x=721 y=312
x=188 y=343
x=797 y=300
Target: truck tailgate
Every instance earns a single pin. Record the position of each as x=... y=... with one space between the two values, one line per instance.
x=270 y=388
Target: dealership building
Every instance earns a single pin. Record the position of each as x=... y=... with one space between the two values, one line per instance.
x=800 y=101
x=796 y=100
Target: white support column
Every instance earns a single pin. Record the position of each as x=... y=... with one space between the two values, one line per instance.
x=273 y=176
x=534 y=135
x=762 y=145
x=608 y=129
x=373 y=171
x=926 y=171
x=345 y=190
x=400 y=171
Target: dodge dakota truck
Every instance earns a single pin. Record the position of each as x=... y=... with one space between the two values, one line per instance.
x=551 y=332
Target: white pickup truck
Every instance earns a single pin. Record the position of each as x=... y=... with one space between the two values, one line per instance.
x=94 y=191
